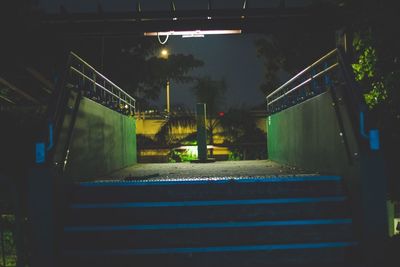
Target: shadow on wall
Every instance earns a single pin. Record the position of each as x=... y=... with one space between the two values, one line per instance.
x=103 y=141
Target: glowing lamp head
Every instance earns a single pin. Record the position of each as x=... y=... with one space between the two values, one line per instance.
x=164 y=53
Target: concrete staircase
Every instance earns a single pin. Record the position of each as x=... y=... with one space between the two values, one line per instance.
x=282 y=221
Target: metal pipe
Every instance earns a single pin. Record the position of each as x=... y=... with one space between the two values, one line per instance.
x=305 y=82
x=303 y=71
x=18 y=91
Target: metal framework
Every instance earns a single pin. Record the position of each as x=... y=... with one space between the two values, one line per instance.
x=243 y=17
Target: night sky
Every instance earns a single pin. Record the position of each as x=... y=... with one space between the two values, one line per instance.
x=230 y=57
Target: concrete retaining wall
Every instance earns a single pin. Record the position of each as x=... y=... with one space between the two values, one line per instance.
x=103 y=141
x=308 y=136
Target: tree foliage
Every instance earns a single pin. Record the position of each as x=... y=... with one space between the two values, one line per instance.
x=132 y=62
x=292 y=49
x=183 y=120
x=242 y=135
x=377 y=69
x=136 y=65
x=211 y=92
x=376 y=60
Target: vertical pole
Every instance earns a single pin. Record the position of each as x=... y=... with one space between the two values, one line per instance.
x=326 y=78
x=41 y=209
x=375 y=216
x=112 y=97
x=94 y=83
x=201 y=131
x=314 y=84
x=106 y=96
x=168 y=106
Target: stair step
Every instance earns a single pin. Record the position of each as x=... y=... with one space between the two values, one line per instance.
x=210 y=234
x=207 y=211
x=308 y=254
x=207 y=189
x=292 y=221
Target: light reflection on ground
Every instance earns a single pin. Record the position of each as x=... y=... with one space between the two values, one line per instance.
x=248 y=168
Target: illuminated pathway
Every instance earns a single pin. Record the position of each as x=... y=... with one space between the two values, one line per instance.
x=247 y=168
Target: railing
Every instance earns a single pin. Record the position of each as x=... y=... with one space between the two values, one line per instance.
x=316 y=79
x=80 y=79
x=100 y=88
x=307 y=83
x=311 y=81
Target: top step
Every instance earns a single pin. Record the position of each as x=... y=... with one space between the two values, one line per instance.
x=207 y=189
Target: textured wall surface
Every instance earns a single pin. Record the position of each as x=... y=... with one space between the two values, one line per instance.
x=103 y=141
x=308 y=136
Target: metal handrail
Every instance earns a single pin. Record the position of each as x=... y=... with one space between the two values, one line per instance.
x=122 y=96
x=78 y=70
x=102 y=87
x=351 y=94
x=306 y=82
x=294 y=78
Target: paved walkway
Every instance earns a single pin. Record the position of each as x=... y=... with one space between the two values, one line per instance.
x=248 y=168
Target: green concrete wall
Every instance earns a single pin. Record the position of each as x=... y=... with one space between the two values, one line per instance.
x=307 y=135
x=103 y=141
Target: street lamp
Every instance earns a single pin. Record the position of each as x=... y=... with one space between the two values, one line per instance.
x=164 y=54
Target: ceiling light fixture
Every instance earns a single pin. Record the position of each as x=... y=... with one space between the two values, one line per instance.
x=196 y=33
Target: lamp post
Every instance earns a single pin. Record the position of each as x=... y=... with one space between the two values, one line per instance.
x=164 y=54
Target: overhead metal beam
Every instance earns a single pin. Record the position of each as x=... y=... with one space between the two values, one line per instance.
x=136 y=23
x=48 y=86
x=180 y=14
x=18 y=91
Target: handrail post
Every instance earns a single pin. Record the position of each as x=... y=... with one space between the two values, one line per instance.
x=313 y=81
x=327 y=80
x=94 y=81
x=112 y=97
x=125 y=103
x=83 y=78
x=105 y=95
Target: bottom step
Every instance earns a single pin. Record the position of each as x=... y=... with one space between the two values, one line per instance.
x=319 y=254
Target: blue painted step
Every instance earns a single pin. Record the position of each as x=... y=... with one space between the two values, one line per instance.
x=210 y=211
x=290 y=221
x=208 y=189
x=210 y=234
